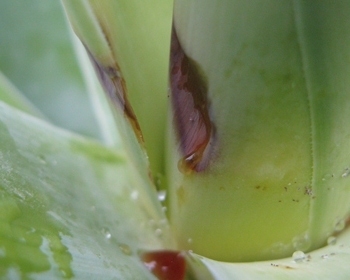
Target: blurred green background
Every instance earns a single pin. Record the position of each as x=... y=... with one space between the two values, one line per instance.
x=36 y=54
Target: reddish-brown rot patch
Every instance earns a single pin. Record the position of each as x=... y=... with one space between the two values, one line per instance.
x=191 y=109
x=114 y=85
x=165 y=265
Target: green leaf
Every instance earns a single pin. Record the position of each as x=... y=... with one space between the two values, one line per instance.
x=10 y=95
x=324 y=33
x=36 y=54
x=132 y=38
x=104 y=115
x=277 y=178
x=71 y=207
x=330 y=262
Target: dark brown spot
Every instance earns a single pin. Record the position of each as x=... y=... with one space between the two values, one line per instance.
x=114 y=85
x=308 y=191
x=191 y=109
x=165 y=265
x=281 y=266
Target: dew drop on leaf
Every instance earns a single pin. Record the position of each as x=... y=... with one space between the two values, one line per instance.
x=331 y=240
x=301 y=242
x=134 y=195
x=346 y=172
x=161 y=195
x=158 y=232
x=106 y=233
x=299 y=256
x=339 y=226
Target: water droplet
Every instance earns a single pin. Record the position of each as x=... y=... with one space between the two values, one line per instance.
x=32 y=230
x=125 y=249
x=346 y=172
x=161 y=195
x=331 y=240
x=158 y=232
x=106 y=233
x=134 y=195
x=299 y=256
x=189 y=241
x=301 y=242
x=22 y=240
x=339 y=226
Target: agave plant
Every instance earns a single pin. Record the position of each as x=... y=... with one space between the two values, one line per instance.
x=242 y=173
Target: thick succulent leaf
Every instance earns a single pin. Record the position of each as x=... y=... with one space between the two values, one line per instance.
x=104 y=114
x=70 y=207
x=324 y=33
x=36 y=54
x=10 y=95
x=131 y=37
x=330 y=262
x=276 y=74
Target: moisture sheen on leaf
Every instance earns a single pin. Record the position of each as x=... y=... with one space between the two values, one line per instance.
x=67 y=206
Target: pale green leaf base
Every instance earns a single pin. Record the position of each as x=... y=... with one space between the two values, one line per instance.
x=330 y=262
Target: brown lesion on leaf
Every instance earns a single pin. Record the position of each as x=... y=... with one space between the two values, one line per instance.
x=190 y=103
x=114 y=85
x=262 y=188
x=282 y=266
x=181 y=196
x=308 y=191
